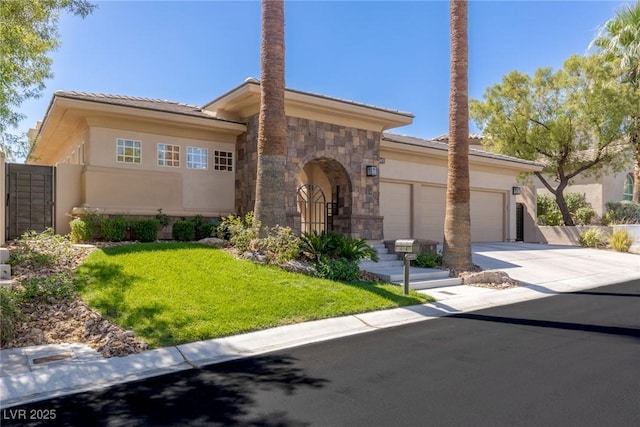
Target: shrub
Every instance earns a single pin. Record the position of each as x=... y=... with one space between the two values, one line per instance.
x=544 y=204
x=57 y=285
x=203 y=228
x=145 y=230
x=114 y=229
x=623 y=212
x=9 y=300
x=584 y=215
x=428 y=260
x=163 y=218
x=241 y=230
x=354 y=249
x=184 y=231
x=317 y=246
x=42 y=250
x=575 y=201
x=338 y=269
x=621 y=240
x=281 y=244
x=592 y=238
x=81 y=231
x=93 y=220
x=552 y=218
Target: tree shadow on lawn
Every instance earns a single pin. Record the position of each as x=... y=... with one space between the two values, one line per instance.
x=104 y=287
x=154 y=247
x=224 y=394
x=376 y=288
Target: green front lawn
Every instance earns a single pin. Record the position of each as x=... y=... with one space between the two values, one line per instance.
x=174 y=293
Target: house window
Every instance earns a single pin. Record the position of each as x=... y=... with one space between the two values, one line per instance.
x=223 y=161
x=169 y=155
x=128 y=151
x=627 y=191
x=197 y=158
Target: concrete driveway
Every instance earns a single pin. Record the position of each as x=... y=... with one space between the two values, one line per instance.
x=546 y=265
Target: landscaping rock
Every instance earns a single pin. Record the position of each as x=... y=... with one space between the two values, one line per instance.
x=489 y=279
x=215 y=242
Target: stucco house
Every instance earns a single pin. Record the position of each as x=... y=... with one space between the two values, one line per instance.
x=345 y=171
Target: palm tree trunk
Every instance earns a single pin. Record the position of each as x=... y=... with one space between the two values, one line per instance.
x=457 y=223
x=269 y=206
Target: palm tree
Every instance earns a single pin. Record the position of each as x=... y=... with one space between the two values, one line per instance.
x=269 y=208
x=619 y=39
x=457 y=222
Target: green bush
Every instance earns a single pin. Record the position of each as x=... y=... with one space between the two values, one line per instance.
x=183 y=231
x=338 y=269
x=281 y=244
x=584 y=215
x=552 y=218
x=202 y=227
x=44 y=249
x=145 y=230
x=114 y=229
x=354 y=249
x=428 y=260
x=57 y=285
x=623 y=212
x=317 y=246
x=81 y=231
x=621 y=240
x=592 y=238
x=10 y=313
x=576 y=201
x=241 y=230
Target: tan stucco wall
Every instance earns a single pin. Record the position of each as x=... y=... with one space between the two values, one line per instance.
x=146 y=187
x=68 y=195
x=3 y=190
x=419 y=171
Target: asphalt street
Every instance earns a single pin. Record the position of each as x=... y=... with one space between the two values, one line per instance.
x=567 y=360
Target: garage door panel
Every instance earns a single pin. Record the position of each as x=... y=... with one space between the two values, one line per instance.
x=431 y=210
x=487 y=216
x=395 y=207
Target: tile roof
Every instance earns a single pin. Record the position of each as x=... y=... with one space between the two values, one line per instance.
x=142 y=103
x=439 y=145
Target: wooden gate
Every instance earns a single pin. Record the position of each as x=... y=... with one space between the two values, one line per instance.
x=30 y=198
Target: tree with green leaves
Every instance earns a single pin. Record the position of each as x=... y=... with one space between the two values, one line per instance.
x=573 y=121
x=619 y=40
x=28 y=34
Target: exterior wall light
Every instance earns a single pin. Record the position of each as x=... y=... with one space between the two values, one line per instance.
x=516 y=191
x=372 y=171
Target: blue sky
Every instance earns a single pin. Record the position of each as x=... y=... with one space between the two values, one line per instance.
x=392 y=54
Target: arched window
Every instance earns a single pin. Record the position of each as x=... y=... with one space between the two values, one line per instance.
x=627 y=191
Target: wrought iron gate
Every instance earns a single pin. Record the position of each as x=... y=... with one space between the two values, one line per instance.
x=30 y=198
x=316 y=214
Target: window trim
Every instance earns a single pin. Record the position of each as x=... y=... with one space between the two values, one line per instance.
x=227 y=167
x=165 y=152
x=206 y=158
x=628 y=185
x=124 y=140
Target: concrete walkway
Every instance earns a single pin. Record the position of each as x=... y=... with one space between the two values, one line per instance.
x=37 y=373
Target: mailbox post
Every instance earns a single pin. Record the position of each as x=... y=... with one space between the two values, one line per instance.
x=408 y=248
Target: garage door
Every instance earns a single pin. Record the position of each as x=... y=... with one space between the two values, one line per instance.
x=487 y=216
x=395 y=207
x=431 y=208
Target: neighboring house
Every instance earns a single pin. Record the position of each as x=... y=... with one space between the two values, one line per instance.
x=598 y=191
x=133 y=156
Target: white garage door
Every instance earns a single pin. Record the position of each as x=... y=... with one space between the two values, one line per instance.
x=487 y=216
x=395 y=207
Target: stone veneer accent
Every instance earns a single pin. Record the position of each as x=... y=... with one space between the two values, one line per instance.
x=341 y=152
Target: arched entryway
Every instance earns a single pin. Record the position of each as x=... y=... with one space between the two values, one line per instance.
x=323 y=197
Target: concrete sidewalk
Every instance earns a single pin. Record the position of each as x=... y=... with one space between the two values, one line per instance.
x=37 y=373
